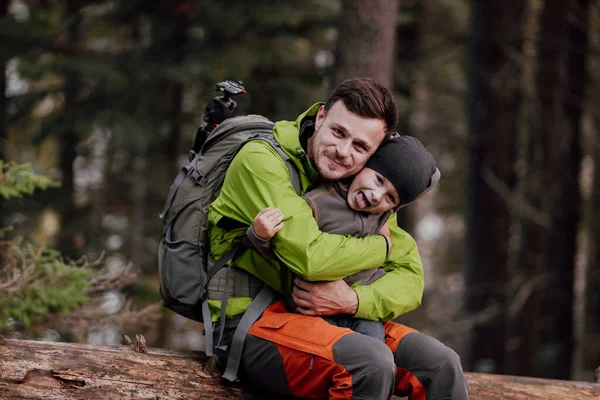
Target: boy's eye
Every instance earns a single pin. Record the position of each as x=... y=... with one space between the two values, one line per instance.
x=379 y=180
x=392 y=199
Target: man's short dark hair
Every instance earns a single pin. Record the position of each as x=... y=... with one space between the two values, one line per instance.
x=367 y=98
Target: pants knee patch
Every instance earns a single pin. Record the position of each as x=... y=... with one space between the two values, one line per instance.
x=436 y=366
x=370 y=363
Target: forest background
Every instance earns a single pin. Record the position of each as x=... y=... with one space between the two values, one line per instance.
x=104 y=98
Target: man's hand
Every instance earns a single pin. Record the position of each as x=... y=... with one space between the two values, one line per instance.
x=385 y=231
x=324 y=298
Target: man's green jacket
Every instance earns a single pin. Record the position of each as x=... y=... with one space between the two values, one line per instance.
x=257 y=178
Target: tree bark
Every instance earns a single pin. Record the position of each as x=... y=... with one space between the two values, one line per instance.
x=526 y=268
x=407 y=54
x=560 y=81
x=590 y=343
x=493 y=104
x=69 y=139
x=591 y=317
x=177 y=42
x=38 y=370
x=3 y=100
x=43 y=370
x=366 y=37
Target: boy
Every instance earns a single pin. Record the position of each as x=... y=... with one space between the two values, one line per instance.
x=399 y=172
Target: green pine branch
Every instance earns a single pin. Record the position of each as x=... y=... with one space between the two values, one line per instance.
x=17 y=180
x=36 y=282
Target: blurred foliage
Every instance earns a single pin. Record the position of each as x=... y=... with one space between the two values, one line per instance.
x=19 y=179
x=34 y=281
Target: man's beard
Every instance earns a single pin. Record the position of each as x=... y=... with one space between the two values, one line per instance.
x=328 y=174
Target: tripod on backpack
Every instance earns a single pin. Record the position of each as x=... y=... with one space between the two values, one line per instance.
x=217 y=111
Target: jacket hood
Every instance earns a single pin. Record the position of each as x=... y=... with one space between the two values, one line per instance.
x=287 y=134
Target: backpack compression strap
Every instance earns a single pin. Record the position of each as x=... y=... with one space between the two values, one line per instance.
x=254 y=311
x=231 y=254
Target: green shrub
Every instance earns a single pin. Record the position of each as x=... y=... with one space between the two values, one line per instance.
x=34 y=281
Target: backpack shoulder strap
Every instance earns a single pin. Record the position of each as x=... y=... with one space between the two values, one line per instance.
x=266 y=294
x=294 y=176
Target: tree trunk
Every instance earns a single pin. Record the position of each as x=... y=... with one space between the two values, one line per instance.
x=69 y=139
x=37 y=370
x=526 y=267
x=177 y=42
x=407 y=55
x=591 y=317
x=365 y=44
x=3 y=100
x=561 y=79
x=42 y=370
x=139 y=197
x=493 y=104
x=589 y=347
x=408 y=43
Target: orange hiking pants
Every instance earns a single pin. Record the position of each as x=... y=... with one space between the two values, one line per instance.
x=295 y=355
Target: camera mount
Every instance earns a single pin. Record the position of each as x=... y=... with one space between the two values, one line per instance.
x=217 y=111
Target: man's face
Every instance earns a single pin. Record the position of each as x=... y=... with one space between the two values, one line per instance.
x=343 y=141
x=371 y=192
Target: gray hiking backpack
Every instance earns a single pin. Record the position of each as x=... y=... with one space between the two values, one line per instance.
x=185 y=268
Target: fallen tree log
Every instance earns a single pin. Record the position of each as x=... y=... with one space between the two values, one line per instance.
x=43 y=370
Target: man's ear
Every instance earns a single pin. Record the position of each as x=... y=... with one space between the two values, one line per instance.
x=321 y=114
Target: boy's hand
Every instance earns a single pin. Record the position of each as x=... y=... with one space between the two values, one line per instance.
x=385 y=231
x=267 y=223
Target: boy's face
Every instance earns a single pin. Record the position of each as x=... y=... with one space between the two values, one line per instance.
x=371 y=192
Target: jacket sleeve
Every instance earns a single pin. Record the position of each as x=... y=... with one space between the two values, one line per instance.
x=264 y=247
x=400 y=290
x=258 y=177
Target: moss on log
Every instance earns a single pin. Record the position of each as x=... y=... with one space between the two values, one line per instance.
x=43 y=370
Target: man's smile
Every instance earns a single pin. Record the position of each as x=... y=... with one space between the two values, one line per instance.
x=336 y=161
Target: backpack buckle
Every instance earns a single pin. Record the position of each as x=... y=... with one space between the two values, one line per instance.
x=195 y=175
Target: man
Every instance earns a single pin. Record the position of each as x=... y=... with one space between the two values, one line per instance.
x=302 y=355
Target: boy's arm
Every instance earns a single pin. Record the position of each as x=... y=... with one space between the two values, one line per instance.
x=263 y=246
x=257 y=178
x=400 y=290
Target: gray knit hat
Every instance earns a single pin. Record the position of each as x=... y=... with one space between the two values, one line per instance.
x=405 y=162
